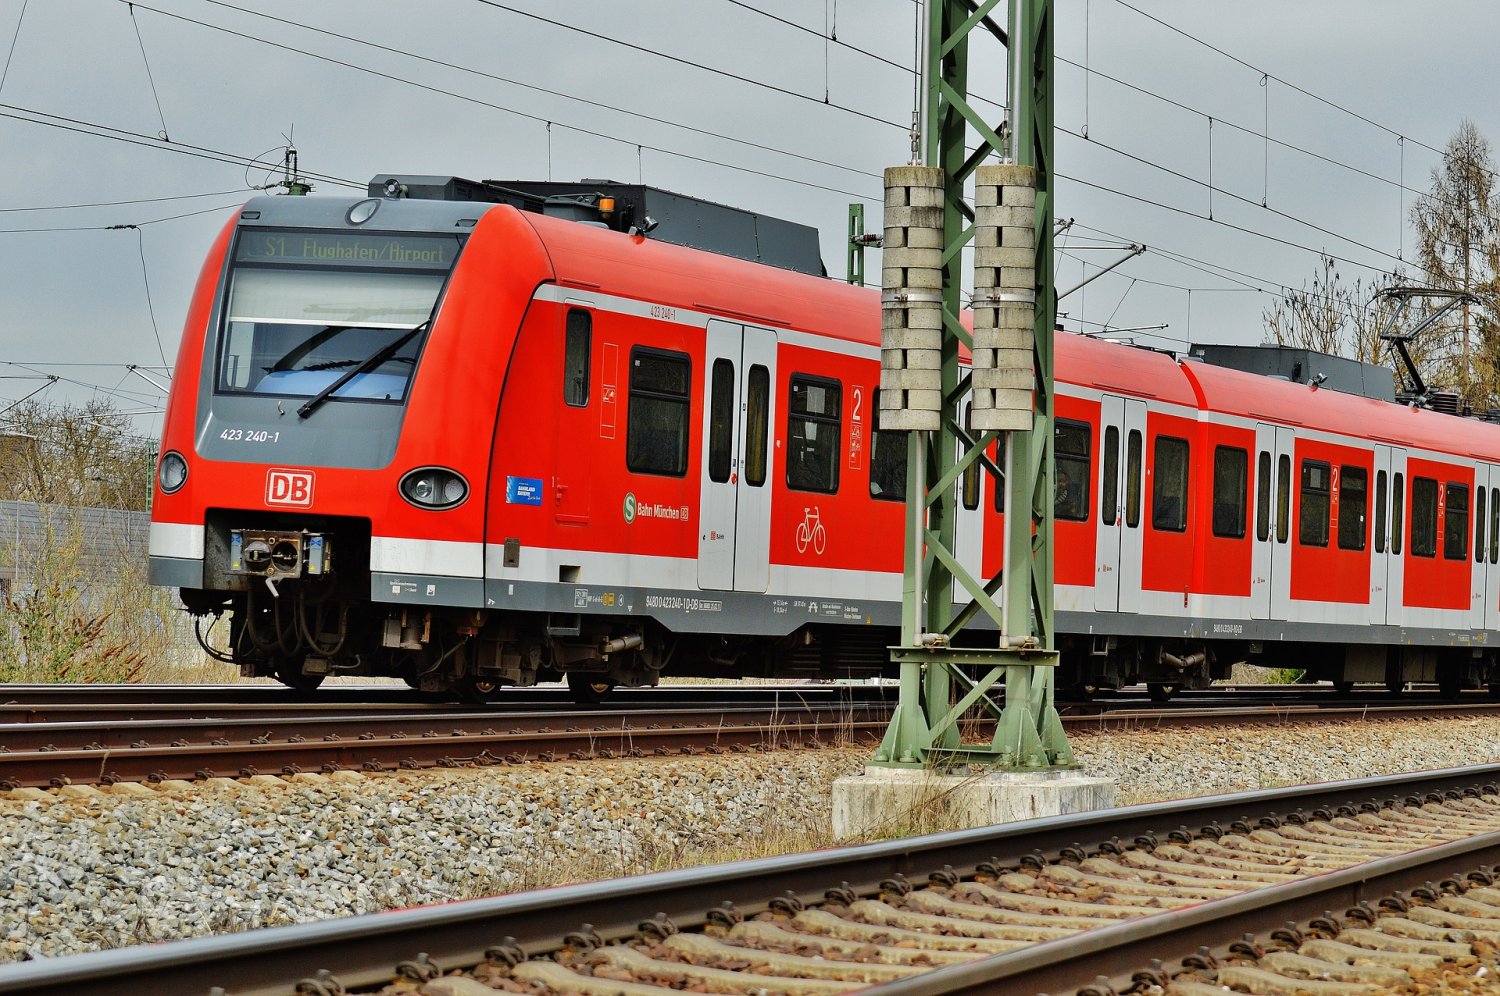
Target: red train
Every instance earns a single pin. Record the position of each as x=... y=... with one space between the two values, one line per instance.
x=483 y=434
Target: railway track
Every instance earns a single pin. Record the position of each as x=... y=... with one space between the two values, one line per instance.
x=1184 y=896
x=55 y=740
x=47 y=754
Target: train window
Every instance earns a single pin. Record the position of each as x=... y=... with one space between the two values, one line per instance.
x=576 y=357
x=306 y=308
x=969 y=492
x=757 y=425
x=1263 y=496
x=1133 y=450
x=887 y=461
x=1423 y=517
x=1109 y=504
x=721 y=421
x=1398 y=512
x=999 y=480
x=1354 y=488
x=1456 y=524
x=1283 y=497
x=1071 y=443
x=1231 y=467
x=1380 y=512
x=1495 y=525
x=813 y=422
x=1479 y=525
x=1169 y=492
x=1312 y=509
x=656 y=431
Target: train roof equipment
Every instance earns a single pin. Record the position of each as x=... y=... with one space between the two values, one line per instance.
x=634 y=208
x=1302 y=366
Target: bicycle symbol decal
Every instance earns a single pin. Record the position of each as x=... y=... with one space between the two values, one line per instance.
x=810 y=531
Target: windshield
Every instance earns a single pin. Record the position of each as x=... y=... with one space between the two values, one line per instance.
x=307 y=308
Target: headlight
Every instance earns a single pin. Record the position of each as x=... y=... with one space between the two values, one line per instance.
x=171 y=473
x=434 y=487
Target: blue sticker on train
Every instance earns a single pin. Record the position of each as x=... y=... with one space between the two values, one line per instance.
x=523 y=490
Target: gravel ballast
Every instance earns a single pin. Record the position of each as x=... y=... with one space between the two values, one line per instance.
x=90 y=870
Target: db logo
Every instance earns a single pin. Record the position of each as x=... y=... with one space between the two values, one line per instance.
x=289 y=487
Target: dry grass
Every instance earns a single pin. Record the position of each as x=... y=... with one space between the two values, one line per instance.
x=543 y=867
x=64 y=619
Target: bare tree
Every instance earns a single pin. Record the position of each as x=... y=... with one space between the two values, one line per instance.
x=1333 y=316
x=1458 y=246
x=75 y=455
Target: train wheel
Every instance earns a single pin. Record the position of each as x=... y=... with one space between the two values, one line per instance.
x=1449 y=686
x=472 y=689
x=289 y=673
x=588 y=689
x=1159 y=691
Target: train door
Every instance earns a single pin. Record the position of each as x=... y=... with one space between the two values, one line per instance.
x=1117 y=570
x=968 y=533
x=1388 y=536
x=1271 y=564
x=1492 y=552
x=734 y=507
x=1483 y=613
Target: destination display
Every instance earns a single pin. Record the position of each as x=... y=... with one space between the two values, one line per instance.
x=363 y=249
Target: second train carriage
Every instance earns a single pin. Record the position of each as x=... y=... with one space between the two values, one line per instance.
x=442 y=433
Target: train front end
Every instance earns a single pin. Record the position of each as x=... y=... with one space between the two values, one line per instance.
x=320 y=490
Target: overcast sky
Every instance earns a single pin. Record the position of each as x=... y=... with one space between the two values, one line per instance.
x=460 y=87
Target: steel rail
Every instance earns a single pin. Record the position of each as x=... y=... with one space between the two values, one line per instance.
x=121 y=731
x=41 y=768
x=43 y=754
x=363 y=950
x=114 y=735
x=1114 y=953
x=15 y=695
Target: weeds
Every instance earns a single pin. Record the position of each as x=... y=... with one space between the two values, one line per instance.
x=76 y=606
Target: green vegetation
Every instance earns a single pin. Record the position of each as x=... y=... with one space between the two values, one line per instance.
x=75 y=604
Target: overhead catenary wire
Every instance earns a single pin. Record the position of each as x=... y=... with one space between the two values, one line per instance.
x=124 y=203
x=831 y=37
x=134 y=397
x=150 y=77
x=1218 y=221
x=539 y=119
x=704 y=67
x=92 y=129
x=484 y=74
x=1393 y=132
x=1212 y=189
x=10 y=52
x=1264 y=134
x=112 y=227
x=1247 y=281
x=140 y=238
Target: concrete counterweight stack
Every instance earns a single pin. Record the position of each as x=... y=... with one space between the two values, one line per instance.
x=911 y=311
x=1004 y=297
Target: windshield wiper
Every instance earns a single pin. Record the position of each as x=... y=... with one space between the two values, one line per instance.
x=374 y=360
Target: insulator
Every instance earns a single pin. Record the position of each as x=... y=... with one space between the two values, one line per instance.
x=1004 y=373
x=911 y=326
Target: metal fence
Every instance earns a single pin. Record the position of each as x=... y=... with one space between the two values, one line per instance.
x=93 y=543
